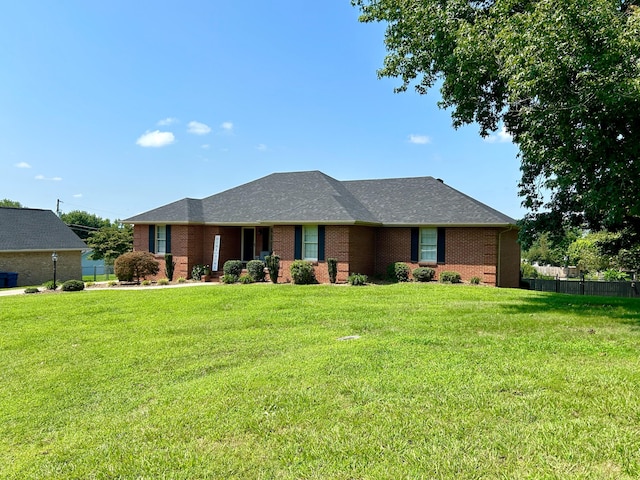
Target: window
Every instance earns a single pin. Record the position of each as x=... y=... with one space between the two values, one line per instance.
x=429 y=245
x=161 y=239
x=310 y=242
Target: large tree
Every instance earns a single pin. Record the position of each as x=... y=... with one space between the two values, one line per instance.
x=563 y=77
x=83 y=223
x=109 y=243
x=5 y=202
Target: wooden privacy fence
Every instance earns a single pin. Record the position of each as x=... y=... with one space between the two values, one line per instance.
x=583 y=287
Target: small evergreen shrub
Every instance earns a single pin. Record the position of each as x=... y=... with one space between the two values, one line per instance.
x=49 y=285
x=135 y=265
x=423 y=274
x=357 y=279
x=232 y=267
x=73 y=286
x=450 y=277
x=255 y=268
x=197 y=271
x=169 y=265
x=273 y=265
x=228 y=278
x=475 y=280
x=245 y=279
x=332 y=267
x=163 y=281
x=31 y=290
x=302 y=272
x=402 y=271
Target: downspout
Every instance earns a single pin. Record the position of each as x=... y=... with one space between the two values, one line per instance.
x=498 y=279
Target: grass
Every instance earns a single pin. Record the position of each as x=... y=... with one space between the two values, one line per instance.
x=252 y=381
x=99 y=278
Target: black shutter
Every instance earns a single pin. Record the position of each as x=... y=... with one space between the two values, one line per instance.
x=297 y=249
x=320 y=243
x=168 y=230
x=441 y=244
x=415 y=240
x=152 y=238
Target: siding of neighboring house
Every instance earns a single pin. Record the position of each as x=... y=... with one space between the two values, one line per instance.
x=510 y=260
x=36 y=268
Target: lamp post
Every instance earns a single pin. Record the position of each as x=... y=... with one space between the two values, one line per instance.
x=54 y=259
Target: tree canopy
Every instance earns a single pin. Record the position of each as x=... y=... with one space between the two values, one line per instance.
x=5 y=202
x=563 y=77
x=83 y=223
x=110 y=242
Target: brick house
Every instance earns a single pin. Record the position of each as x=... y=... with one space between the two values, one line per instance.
x=28 y=237
x=365 y=224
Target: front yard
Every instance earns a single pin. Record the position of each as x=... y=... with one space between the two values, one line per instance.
x=285 y=381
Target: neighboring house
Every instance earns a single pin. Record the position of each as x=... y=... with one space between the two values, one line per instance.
x=365 y=224
x=28 y=237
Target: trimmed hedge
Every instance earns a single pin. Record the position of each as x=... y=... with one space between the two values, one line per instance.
x=302 y=273
x=73 y=286
x=450 y=277
x=255 y=268
x=423 y=274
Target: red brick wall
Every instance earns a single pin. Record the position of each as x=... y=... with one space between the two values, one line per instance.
x=362 y=250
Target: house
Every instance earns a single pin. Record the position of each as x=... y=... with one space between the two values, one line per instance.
x=365 y=224
x=28 y=238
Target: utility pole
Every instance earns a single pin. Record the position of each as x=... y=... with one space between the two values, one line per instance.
x=58 y=212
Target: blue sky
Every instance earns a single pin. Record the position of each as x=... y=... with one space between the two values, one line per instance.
x=119 y=107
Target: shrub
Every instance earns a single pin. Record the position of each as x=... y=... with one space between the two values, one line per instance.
x=31 y=290
x=302 y=272
x=112 y=283
x=357 y=279
x=475 y=280
x=528 y=271
x=612 y=275
x=182 y=280
x=255 y=268
x=73 y=286
x=228 y=278
x=332 y=267
x=423 y=274
x=146 y=283
x=49 y=285
x=197 y=271
x=169 y=266
x=163 y=281
x=401 y=271
x=245 y=278
x=232 y=267
x=135 y=265
x=450 y=277
x=89 y=284
x=273 y=265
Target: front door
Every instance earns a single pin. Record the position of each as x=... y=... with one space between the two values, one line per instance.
x=248 y=243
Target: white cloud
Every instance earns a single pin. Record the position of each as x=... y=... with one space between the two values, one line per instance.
x=155 y=139
x=77 y=195
x=198 y=128
x=22 y=165
x=499 y=137
x=167 y=121
x=227 y=126
x=206 y=146
x=52 y=179
x=419 y=139
x=262 y=147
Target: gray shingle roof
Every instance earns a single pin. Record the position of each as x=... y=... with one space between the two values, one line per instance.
x=30 y=229
x=313 y=197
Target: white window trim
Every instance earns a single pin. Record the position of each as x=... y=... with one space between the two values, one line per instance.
x=304 y=243
x=159 y=238
x=421 y=244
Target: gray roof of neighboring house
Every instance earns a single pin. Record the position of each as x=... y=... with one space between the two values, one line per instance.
x=313 y=197
x=30 y=230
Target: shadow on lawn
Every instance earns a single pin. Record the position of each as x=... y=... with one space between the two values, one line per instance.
x=626 y=310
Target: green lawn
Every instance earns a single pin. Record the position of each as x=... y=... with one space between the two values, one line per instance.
x=252 y=381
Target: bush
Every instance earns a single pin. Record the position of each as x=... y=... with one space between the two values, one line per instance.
x=255 y=268
x=423 y=274
x=163 y=281
x=273 y=265
x=475 y=280
x=31 y=290
x=400 y=271
x=450 y=277
x=232 y=267
x=49 y=285
x=112 y=283
x=528 y=271
x=245 y=279
x=357 y=279
x=228 y=278
x=615 y=276
x=146 y=283
x=182 y=280
x=135 y=265
x=197 y=271
x=332 y=267
x=73 y=286
x=302 y=272
x=169 y=266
